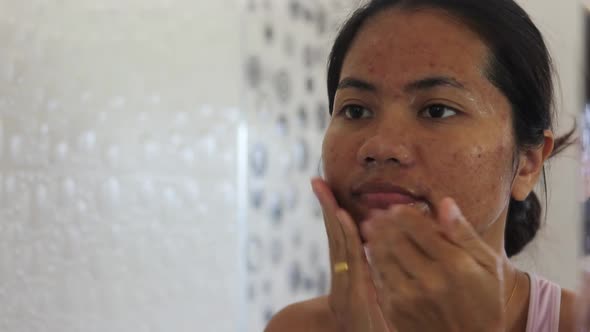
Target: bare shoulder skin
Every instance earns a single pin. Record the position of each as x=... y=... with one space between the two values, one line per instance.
x=314 y=316
x=567 y=314
x=307 y=316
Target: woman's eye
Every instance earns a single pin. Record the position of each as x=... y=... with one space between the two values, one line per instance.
x=354 y=112
x=438 y=111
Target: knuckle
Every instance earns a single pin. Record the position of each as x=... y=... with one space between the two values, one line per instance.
x=409 y=295
x=435 y=287
x=355 y=295
x=462 y=264
x=402 y=304
x=388 y=235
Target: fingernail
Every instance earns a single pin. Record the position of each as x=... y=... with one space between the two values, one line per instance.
x=311 y=182
x=454 y=212
x=367 y=254
x=366 y=228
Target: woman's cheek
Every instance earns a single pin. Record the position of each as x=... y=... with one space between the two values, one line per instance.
x=334 y=151
x=329 y=155
x=481 y=182
x=339 y=150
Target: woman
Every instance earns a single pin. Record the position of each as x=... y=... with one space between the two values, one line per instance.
x=441 y=124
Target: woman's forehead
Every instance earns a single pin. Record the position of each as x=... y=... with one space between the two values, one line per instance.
x=401 y=46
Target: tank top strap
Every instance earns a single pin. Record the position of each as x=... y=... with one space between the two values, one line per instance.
x=544 y=305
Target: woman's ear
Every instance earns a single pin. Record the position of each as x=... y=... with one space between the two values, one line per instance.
x=530 y=165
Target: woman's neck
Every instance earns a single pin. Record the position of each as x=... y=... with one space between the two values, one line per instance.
x=516 y=297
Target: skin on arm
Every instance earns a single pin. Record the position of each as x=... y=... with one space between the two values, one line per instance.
x=307 y=316
x=291 y=318
x=568 y=310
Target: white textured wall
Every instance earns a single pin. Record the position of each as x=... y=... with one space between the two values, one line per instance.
x=118 y=206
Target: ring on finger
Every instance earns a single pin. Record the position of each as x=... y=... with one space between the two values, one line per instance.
x=340 y=267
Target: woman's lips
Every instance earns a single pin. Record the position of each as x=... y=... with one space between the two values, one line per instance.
x=381 y=195
x=384 y=200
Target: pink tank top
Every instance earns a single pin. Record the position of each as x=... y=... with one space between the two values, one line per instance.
x=544 y=305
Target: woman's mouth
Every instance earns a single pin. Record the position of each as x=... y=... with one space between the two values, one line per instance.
x=383 y=195
x=384 y=200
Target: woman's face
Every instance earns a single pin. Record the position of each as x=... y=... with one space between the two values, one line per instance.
x=416 y=120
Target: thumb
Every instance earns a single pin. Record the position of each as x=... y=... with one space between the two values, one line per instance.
x=462 y=233
x=454 y=223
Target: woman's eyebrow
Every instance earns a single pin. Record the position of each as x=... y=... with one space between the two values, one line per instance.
x=433 y=82
x=421 y=84
x=355 y=83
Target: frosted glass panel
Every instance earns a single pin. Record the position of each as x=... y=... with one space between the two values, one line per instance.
x=118 y=173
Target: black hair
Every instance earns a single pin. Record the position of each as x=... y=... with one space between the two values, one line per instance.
x=519 y=66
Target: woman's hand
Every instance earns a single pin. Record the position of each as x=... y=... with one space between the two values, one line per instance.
x=352 y=295
x=434 y=275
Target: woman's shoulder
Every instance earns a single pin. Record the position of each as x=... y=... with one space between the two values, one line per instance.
x=567 y=314
x=565 y=306
x=306 y=316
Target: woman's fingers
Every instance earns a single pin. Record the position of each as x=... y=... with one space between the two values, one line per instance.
x=451 y=238
x=413 y=238
x=339 y=281
x=418 y=262
x=398 y=249
x=365 y=301
x=336 y=240
x=345 y=243
x=352 y=296
x=424 y=250
x=461 y=233
x=355 y=252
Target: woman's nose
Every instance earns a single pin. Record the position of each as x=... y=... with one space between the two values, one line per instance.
x=382 y=149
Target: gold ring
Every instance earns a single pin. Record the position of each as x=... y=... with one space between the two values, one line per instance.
x=340 y=267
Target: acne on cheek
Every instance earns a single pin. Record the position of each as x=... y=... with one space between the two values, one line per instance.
x=470 y=157
x=334 y=158
x=486 y=168
x=481 y=159
x=471 y=163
